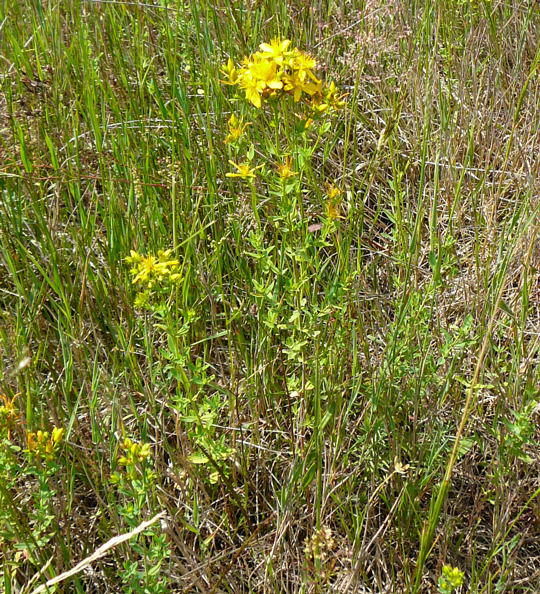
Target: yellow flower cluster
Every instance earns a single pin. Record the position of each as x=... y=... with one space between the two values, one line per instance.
x=332 y=206
x=451 y=579
x=43 y=444
x=277 y=69
x=8 y=413
x=133 y=452
x=134 y=458
x=147 y=270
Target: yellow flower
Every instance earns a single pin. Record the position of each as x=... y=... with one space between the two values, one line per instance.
x=275 y=49
x=451 y=578
x=266 y=71
x=42 y=444
x=236 y=129
x=307 y=123
x=243 y=170
x=333 y=191
x=284 y=169
x=330 y=99
x=331 y=90
x=229 y=70
x=332 y=210
x=142 y=299
x=57 y=434
x=303 y=62
x=8 y=413
x=332 y=206
x=275 y=70
x=295 y=84
x=146 y=270
x=133 y=452
x=253 y=88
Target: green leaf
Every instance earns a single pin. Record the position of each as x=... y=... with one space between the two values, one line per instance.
x=198 y=458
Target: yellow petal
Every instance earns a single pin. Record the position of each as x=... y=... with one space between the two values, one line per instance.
x=254 y=97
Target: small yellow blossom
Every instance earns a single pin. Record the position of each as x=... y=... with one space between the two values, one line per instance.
x=332 y=210
x=8 y=413
x=328 y=99
x=236 y=129
x=243 y=170
x=297 y=84
x=229 y=70
x=253 y=88
x=142 y=299
x=133 y=452
x=333 y=191
x=134 y=458
x=57 y=434
x=451 y=579
x=284 y=169
x=275 y=49
x=266 y=72
x=332 y=206
x=43 y=444
x=304 y=63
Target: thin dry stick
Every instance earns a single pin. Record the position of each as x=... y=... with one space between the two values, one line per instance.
x=139 y=4
x=103 y=549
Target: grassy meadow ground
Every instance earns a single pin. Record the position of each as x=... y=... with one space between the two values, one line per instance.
x=334 y=384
